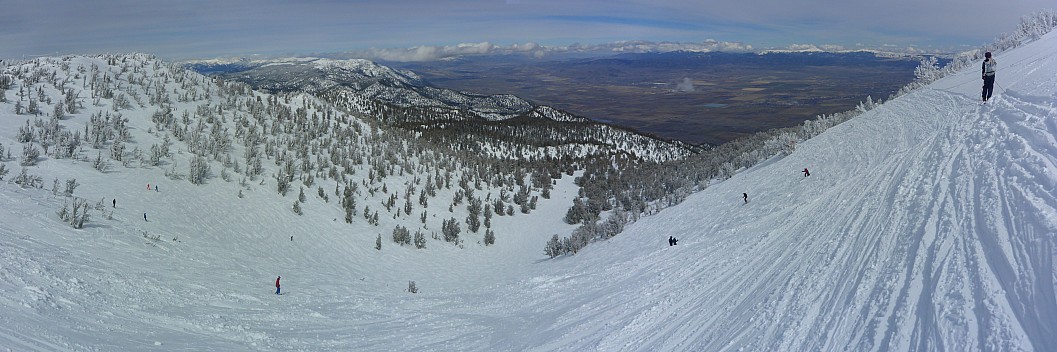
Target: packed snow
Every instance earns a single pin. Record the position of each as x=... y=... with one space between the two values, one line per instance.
x=927 y=223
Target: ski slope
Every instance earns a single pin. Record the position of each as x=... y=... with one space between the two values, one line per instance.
x=928 y=223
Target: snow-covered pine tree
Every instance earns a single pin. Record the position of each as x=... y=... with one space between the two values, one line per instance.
x=450 y=229
x=33 y=108
x=473 y=220
x=117 y=150
x=78 y=220
x=59 y=111
x=420 y=239
x=155 y=155
x=553 y=247
x=30 y=153
x=71 y=185
x=401 y=235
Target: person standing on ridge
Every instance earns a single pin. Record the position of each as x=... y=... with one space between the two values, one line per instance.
x=277 y=284
x=987 y=72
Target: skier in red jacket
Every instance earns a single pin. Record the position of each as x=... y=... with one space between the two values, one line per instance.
x=277 y=284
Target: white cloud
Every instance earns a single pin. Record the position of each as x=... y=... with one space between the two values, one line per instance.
x=536 y=50
x=685 y=86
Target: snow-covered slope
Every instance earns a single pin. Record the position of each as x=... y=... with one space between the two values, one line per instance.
x=927 y=223
x=365 y=80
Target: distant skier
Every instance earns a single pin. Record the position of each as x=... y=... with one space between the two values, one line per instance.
x=156 y=188
x=148 y=186
x=115 y=202
x=745 y=196
x=144 y=216
x=987 y=72
x=806 y=173
x=277 y=284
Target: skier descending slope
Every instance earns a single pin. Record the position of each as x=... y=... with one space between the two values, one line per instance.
x=277 y=284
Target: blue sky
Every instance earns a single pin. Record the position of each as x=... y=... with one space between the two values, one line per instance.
x=200 y=29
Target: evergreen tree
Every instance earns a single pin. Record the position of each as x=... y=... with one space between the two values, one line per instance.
x=554 y=247
x=198 y=171
x=450 y=229
x=30 y=153
x=401 y=235
x=420 y=239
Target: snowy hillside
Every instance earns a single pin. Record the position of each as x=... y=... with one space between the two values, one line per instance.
x=928 y=223
x=499 y=126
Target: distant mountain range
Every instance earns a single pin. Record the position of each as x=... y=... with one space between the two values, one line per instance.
x=402 y=98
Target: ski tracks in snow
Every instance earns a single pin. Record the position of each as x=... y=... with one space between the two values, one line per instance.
x=939 y=235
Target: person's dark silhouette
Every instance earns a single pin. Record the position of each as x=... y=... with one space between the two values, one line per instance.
x=987 y=73
x=670 y=242
x=277 y=284
x=115 y=202
x=806 y=173
x=745 y=196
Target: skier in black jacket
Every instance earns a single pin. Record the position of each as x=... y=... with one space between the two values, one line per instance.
x=987 y=72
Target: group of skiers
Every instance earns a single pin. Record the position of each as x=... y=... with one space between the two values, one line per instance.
x=156 y=189
x=745 y=196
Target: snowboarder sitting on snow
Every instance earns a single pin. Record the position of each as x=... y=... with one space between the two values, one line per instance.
x=987 y=72
x=277 y=284
x=806 y=173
